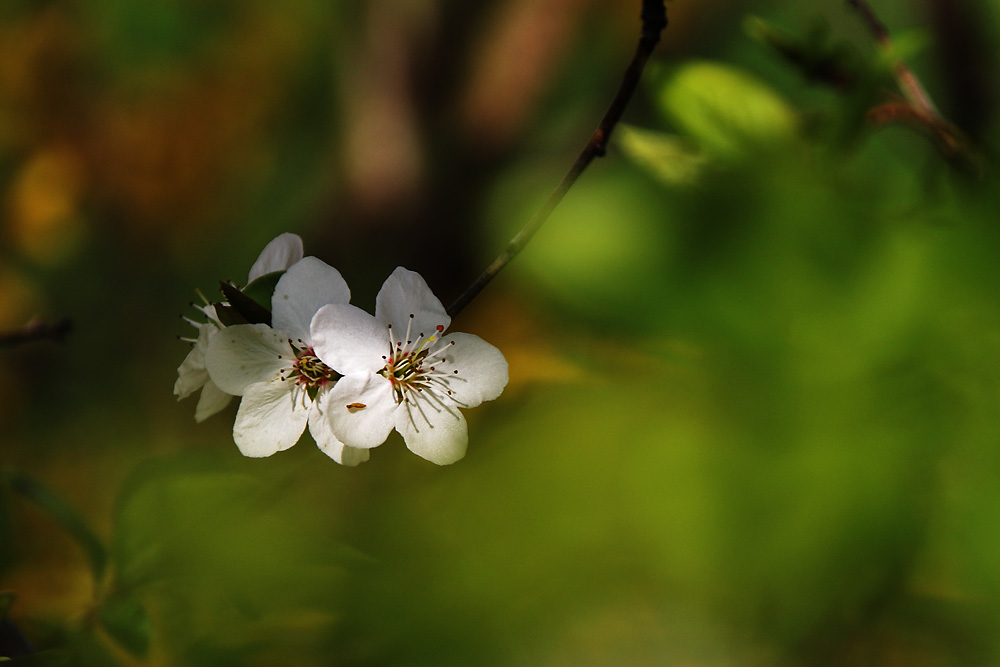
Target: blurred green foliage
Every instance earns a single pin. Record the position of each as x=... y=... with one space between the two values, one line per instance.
x=755 y=353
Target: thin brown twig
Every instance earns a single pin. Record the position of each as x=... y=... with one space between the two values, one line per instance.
x=922 y=114
x=38 y=330
x=948 y=139
x=907 y=80
x=654 y=20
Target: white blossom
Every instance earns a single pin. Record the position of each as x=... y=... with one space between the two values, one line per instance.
x=401 y=371
x=283 y=384
x=192 y=375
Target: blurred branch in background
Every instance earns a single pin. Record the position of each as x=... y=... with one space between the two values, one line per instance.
x=834 y=65
x=918 y=110
x=654 y=20
x=35 y=331
x=908 y=81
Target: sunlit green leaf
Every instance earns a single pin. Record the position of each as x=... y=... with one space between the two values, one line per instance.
x=666 y=156
x=906 y=44
x=725 y=110
x=601 y=247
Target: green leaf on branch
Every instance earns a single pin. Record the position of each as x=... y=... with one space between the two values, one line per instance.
x=817 y=57
x=666 y=156
x=126 y=620
x=726 y=111
x=904 y=46
x=62 y=513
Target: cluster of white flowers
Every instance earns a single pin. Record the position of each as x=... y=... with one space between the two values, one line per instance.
x=350 y=376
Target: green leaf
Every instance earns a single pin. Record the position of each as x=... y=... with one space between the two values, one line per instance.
x=62 y=513
x=225 y=533
x=666 y=156
x=126 y=620
x=906 y=45
x=814 y=54
x=726 y=111
x=252 y=312
x=262 y=289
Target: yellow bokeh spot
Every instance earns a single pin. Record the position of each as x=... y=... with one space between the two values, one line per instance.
x=43 y=205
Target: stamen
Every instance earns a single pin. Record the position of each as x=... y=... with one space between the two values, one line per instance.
x=409 y=323
x=412 y=371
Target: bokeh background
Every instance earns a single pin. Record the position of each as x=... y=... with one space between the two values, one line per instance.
x=754 y=356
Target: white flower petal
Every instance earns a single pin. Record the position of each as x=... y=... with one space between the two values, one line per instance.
x=432 y=431
x=246 y=354
x=277 y=255
x=350 y=456
x=360 y=410
x=191 y=374
x=319 y=427
x=209 y=312
x=482 y=369
x=301 y=291
x=211 y=401
x=271 y=418
x=349 y=340
x=405 y=293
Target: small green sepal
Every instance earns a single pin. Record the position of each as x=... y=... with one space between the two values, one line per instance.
x=251 y=311
x=262 y=289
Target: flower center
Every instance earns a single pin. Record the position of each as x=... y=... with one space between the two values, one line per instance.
x=413 y=365
x=307 y=370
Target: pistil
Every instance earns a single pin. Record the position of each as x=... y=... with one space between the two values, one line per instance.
x=409 y=366
x=307 y=370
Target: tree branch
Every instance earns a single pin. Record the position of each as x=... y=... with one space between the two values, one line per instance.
x=922 y=113
x=38 y=330
x=654 y=20
x=907 y=80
